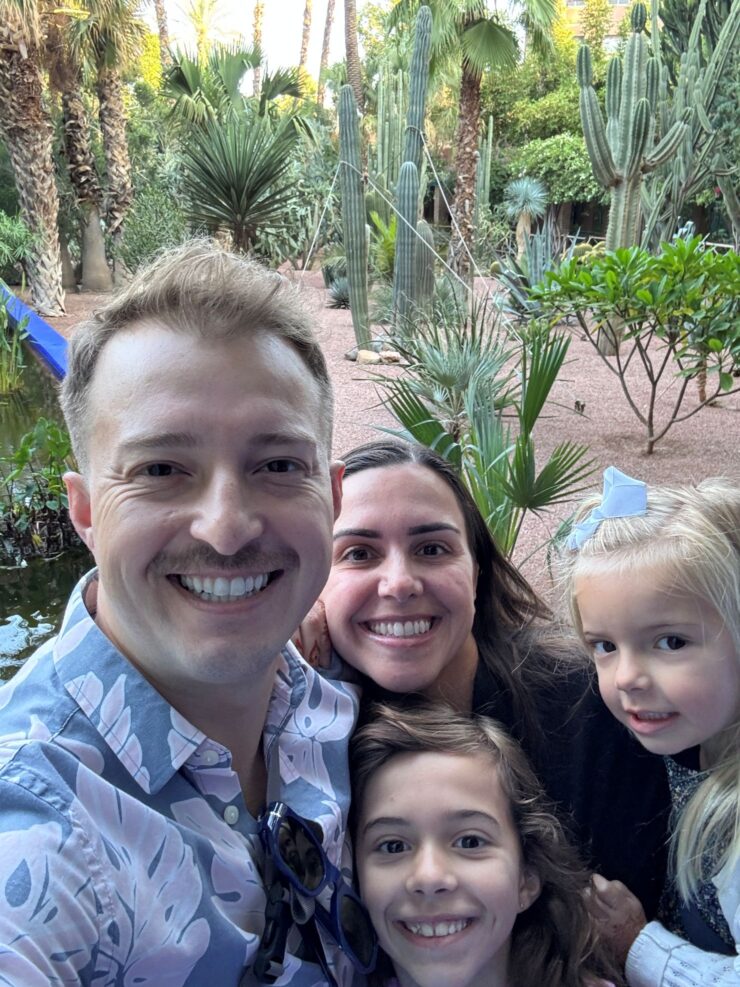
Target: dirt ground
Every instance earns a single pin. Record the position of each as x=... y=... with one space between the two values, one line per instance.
x=707 y=444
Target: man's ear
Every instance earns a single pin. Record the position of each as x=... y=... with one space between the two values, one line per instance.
x=80 y=511
x=530 y=886
x=337 y=472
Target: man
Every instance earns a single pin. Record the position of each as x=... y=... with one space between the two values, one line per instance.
x=135 y=747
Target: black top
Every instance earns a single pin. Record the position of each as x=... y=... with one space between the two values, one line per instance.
x=610 y=791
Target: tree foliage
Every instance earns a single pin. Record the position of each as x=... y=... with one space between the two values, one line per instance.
x=562 y=163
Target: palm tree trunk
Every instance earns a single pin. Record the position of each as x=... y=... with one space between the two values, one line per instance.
x=354 y=75
x=257 y=18
x=305 y=36
x=26 y=129
x=324 y=64
x=120 y=192
x=164 y=34
x=466 y=161
x=96 y=275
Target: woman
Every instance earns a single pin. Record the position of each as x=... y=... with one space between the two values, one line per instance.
x=420 y=600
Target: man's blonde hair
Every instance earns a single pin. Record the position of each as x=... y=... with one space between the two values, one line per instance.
x=201 y=290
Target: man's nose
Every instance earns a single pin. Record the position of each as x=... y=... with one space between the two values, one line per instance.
x=226 y=518
x=398 y=580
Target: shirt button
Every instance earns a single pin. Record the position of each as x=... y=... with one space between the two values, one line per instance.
x=231 y=814
x=209 y=758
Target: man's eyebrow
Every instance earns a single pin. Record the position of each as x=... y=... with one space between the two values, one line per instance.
x=187 y=440
x=417 y=529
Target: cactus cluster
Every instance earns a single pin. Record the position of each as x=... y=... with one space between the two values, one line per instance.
x=623 y=150
x=353 y=214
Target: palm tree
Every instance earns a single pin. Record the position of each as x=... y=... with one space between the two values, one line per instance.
x=306 y=34
x=201 y=14
x=26 y=129
x=164 y=35
x=525 y=199
x=65 y=77
x=257 y=19
x=352 y=53
x=467 y=32
x=324 y=64
x=110 y=38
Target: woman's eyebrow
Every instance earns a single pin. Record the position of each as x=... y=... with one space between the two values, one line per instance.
x=356 y=533
x=426 y=529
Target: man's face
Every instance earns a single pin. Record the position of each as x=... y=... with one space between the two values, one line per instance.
x=208 y=503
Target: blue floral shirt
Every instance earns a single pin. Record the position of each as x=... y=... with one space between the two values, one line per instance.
x=127 y=853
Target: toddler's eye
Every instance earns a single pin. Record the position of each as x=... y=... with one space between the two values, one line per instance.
x=470 y=842
x=603 y=647
x=671 y=642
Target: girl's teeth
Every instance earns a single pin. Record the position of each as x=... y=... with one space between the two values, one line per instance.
x=398 y=628
x=223 y=590
x=435 y=930
x=653 y=716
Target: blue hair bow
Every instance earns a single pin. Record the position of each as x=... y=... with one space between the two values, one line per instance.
x=623 y=497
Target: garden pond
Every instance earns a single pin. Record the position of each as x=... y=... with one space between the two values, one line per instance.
x=32 y=597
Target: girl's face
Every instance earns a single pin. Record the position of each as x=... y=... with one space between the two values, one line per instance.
x=667 y=664
x=440 y=869
x=400 y=600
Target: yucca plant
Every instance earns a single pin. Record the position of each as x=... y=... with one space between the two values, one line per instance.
x=235 y=175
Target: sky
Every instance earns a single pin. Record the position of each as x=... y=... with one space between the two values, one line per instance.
x=282 y=27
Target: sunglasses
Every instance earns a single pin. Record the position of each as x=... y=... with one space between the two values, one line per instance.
x=294 y=846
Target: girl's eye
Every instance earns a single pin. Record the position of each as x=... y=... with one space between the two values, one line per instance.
x=470 y=842
x=392 y=846
x=671 y=642
x=603 y=647
x=159 y=469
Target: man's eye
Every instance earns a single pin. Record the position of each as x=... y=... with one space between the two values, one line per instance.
x=159 y=469
x=281 y=466
x=671 y=642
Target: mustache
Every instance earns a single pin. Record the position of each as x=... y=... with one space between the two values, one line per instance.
x=203 y=557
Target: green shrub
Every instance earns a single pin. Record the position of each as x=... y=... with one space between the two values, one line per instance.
x=563 y=164
x=156 y=221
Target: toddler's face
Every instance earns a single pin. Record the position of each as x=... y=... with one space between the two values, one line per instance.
x=441 y=870
x=666 y=663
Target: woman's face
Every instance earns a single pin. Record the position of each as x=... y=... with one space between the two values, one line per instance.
x=400 y=600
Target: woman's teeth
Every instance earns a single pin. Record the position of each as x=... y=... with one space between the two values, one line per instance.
x=435 y=930
x=222 y=590
x=407 y=628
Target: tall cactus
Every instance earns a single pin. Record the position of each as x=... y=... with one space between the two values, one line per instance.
x=407 y=195
x=623 y=150
x=424 y=266
x=353 y=214
x=418 y=79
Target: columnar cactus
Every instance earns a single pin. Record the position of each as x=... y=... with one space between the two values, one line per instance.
x=418 y=79
x=424 y=264
x=407 y=196
x=623 y=150
x=353 y=214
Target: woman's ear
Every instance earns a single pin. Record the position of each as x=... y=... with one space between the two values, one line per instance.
x=530 y=886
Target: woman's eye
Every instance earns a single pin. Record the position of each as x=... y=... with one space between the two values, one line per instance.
x=433 y=549
x=159 y=469
x=671 y=642
x=470 y=842
x=391 y=846
x=356 y=554
x=603 y=647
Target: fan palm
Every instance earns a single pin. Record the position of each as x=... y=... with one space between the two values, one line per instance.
x=467 y=33
x=209 y=88
x=235 y=175
x=525 y=199
x=26 y=129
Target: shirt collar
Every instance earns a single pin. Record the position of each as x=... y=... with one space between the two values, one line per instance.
x=147 y=735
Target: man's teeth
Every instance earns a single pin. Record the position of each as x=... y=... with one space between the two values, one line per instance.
x=431 y=930
x=407 y=628
x=222 y=589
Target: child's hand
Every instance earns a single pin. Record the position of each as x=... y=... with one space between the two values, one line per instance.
x=618 y=914
x=312 y=638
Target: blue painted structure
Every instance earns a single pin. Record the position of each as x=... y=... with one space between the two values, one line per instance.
x=50 y=346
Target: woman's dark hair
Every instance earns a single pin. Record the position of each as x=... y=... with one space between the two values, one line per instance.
x=510 y=629
x=553 y=942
